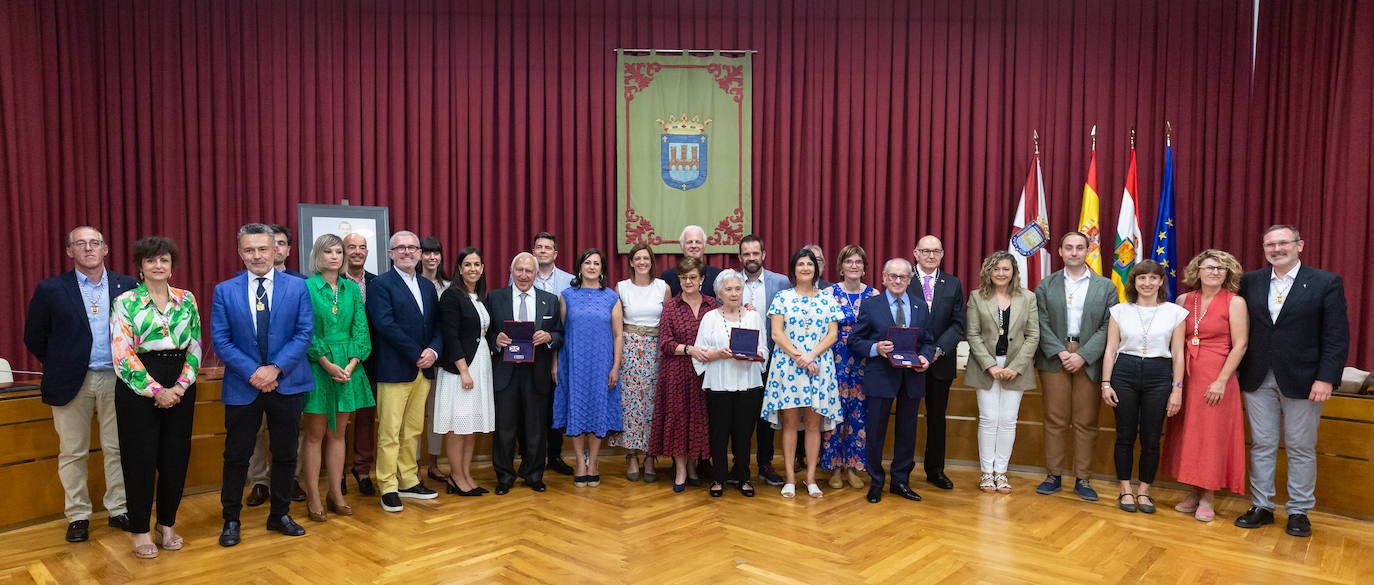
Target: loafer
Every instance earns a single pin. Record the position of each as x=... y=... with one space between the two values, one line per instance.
x=297 y=493
x=905 y=491
x=836 y=481
x=769 y=475
x=1052 y=484
x=79 y=531
x=538 y=485
x=941 y=481
x=418 y=492
x=229 y=536
x=558 y=465
x=120 y=521
x=365 y=486
x=1299 y=525
x=258 y=496
x=503 y=487
x=391 y=502
x=875 y=494
x=1085 y=490
x=285 y=525
x=1255 y=517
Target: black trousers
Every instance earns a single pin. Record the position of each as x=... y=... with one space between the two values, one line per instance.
x=155 y=443
x=937 y=400
x=1142 y=391
x=732 y=416
x=521 y=413
x=877 y=412
x=764 y=434
x=241 y=424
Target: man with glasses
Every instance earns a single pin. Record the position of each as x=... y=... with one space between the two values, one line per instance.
x=402 y=311
x=1299 y=341
x=886 y=384
x=1073 y=305
x=693 y=241
x=68 y=330
x=943 y=295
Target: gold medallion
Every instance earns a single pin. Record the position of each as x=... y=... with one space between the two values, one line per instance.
x=1144 y=349
x=336 y=309
x=95 y=310
x=1196 y=341
x=261 y=307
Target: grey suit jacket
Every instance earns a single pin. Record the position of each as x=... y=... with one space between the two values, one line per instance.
x=1023 y=336
x=1054 y=328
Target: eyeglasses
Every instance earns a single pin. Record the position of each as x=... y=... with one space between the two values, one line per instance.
x=853 y=262
x=1212 y=268
x=88 y=243
x=929 y=252
x=405 y=248
x=898 y=277
x=1279 y=244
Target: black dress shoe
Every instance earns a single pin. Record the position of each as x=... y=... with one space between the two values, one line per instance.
x=558 y=465
x=258 y=495
x=230 y=535
x=297 y=493
x=536 y=485
x=285 y=525
x=941 y=481
x=503 y=487
x=905 y=491
x=1255 y=517
x=875 y=494
x=365 y=486
x=120 y=521
x=79 y=531
x=1299 y=525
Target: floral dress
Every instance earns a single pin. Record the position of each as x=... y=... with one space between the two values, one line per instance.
x=805 y=319
x=845 y=447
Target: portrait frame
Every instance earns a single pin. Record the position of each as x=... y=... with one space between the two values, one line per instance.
x=374 y=223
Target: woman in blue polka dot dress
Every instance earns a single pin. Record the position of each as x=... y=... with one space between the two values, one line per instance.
x=801 y=381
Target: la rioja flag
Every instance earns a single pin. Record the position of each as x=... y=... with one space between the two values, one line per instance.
x=1030 y=228
x=1127 y=248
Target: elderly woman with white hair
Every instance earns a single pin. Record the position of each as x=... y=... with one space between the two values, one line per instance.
x=734 y=384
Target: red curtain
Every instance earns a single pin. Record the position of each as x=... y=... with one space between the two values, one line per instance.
x=483 y=122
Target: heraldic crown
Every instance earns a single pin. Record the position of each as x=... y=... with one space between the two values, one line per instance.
x=681 y=125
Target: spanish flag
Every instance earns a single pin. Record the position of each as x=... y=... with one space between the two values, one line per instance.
x=1127 y=231
x=1087 y=218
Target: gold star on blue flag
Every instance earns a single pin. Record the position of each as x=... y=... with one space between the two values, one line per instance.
x=1164 y=251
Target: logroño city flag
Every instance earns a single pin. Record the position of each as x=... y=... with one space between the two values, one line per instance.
x=1030 y=228
x=1127 y=232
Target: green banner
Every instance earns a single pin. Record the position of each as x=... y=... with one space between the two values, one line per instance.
x=684 y=146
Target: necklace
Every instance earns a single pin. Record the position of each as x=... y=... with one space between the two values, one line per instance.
x=1077 y=287
x=334 y=288
x=262 y=295
x=1199 y=312
x=1278 y=298
x=93 y=300
x=160 y=317
x=1145 y=328
x=1002 y=317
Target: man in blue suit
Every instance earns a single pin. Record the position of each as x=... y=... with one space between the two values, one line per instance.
x=403 y=314
x=260 y=326
x=68 y=329
x=885 y=384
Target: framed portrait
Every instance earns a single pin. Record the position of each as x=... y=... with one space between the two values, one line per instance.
x=372 y=222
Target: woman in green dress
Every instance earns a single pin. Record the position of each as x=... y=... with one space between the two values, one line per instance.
x=338 y=347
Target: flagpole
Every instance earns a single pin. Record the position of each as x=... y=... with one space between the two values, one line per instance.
x=1168 y=134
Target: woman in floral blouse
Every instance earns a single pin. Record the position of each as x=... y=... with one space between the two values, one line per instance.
x=155 y=339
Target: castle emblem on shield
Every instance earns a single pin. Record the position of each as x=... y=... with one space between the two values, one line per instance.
x=683 y=151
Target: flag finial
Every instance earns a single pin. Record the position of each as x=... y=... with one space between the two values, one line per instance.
x=1132 y=138
x=1168 y=134
x=1035 y=138
x=1093 y=134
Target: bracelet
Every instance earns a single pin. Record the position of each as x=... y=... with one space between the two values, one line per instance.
x=1178 y=384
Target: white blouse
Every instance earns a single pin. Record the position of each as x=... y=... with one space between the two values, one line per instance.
x=729 y=375
x=1146 y=331
x=642 y=305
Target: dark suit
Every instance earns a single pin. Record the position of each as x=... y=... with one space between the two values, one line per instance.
x=233 y=334
x=946 y=323
x=523 y=392
x=58 y=334
x=364 y=421
x=1308 y=342
x=461 y=326
x=885 y=384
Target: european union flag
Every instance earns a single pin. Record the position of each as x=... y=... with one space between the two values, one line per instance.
x=1165 y=251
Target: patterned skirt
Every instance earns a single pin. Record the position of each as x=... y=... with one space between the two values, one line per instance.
x=638 y=383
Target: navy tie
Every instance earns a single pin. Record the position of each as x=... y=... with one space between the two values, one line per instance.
x=264 y=317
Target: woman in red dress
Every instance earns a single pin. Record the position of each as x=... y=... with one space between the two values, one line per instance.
x=680 y=427
x=1205 y=443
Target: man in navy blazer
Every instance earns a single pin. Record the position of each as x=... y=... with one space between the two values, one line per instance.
x=68 y=329
x=403 y=314
x=885 y=384
x=1299 y=342
x=260 y=325
x=946 y=304
x=761 y=285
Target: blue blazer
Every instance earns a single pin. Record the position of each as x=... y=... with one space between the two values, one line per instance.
x=400 y=330
x=881 y=379
x=59 y=335
x=288 y=337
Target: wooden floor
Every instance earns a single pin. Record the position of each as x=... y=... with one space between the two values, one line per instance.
x=637 y=533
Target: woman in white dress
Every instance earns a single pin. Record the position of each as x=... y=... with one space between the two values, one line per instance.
x=641 y=297
x=463 y=402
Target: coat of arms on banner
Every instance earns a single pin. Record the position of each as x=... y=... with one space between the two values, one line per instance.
x=683 y=151
x=1030 y=239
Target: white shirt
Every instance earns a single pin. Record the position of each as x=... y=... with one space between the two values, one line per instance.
x=642 y=305
x=729 y=375
x=1280 y=285
x=920 y=282
x=1147 y=328
x=515 y=303
x=253 y=293
x=755 y=291
x=413 y=283
x=1075 y=292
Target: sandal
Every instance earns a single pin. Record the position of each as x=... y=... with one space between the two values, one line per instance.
x=1145 y=508
x=814 y=490
x=1121 y=502
x=146 y=551
x=789 y=490
x=747 y=489
x=717 y=490
x=987 y=483
x=173 y=543
x=1003 y=486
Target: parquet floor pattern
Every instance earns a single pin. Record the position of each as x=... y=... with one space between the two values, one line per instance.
x=625 y=532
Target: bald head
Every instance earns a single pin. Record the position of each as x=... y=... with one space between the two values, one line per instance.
x=929 y=252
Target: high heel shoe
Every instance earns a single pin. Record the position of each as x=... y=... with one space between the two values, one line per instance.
x=435 y=474
x=175 y=542
x=340 y=509
x=453 y=489
x=632 y=475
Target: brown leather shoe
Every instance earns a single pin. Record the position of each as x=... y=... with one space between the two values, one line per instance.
x=258 y=495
